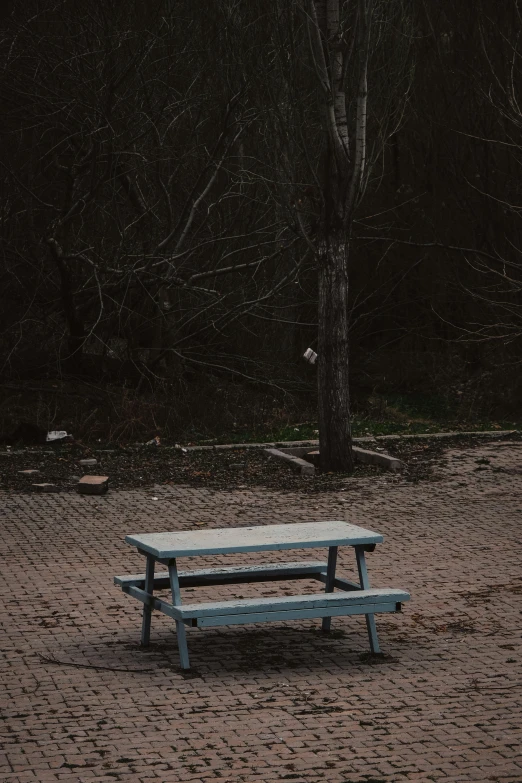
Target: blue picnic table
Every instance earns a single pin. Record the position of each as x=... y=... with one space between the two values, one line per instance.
x=166 y=548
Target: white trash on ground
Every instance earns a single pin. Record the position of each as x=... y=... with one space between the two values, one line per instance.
x=57 y=435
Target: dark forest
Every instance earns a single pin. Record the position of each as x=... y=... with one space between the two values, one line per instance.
x=193 y=194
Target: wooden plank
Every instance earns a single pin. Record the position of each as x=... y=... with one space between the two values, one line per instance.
x=161 y=580
x=231 y=575
x=345 y=584
x=365 y=583
x=329 y=583
x=287 y=603
x=340 y=582
x=330 y=602
x=239 y=575
x=156 y=603
x=180 y=627
x=147 y=609
x=165 y=546
x=295 y=614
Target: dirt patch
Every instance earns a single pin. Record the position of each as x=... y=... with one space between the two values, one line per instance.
x=484 y=595
x=147 y=466
x=150 y=466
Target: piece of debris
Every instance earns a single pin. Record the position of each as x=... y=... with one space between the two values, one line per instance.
x=45 y=487
x=58 y=436
x=32 y=472
x=154 y=441
x=310 y=356
x=85 y=462
x=376 y=458
x=292 y=459
x=93 y=485
x=313 y=457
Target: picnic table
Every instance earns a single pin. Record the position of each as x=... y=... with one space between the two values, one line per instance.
x=166 y=548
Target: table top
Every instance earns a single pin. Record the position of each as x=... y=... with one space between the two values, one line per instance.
x=300 y=535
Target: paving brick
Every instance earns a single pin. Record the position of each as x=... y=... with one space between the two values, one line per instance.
x=93 y=485
x=86 y=704
x=45 y=487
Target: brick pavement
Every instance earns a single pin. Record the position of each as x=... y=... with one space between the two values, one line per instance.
x=274 y=702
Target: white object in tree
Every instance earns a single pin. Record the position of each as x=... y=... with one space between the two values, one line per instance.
x=310 y=356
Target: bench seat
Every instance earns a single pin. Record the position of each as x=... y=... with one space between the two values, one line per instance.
x=311 y=601
x=280 y=608
x=305 y=569
x=276 y=609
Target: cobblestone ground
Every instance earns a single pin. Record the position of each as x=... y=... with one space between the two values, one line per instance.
x=279 y=701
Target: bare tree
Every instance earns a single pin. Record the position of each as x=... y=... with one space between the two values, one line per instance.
x=166 y=196
x=496 y=74
x=128 y=193
x=336 y=78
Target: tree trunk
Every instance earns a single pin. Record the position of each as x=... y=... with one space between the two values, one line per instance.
x=335 y=445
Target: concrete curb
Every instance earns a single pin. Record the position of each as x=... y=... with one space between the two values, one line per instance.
x=291 y=443
x=305 y=468
x=294 y=456
x=374 y=458
x=361 y=439
x=424 y=436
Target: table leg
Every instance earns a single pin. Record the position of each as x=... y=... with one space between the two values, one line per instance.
x=147 y=610
x=180 y=626
x=365 y=584
x=329 y=585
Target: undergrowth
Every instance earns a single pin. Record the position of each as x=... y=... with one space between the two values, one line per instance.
x=226 y=413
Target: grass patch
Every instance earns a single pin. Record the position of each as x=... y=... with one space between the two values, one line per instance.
x=383 y=414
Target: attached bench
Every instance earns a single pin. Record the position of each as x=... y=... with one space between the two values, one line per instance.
x=275 y=609
x=231 y=575
x=352 y=601
x=353 y=598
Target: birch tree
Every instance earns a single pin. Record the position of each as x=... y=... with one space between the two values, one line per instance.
x=344 y=40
